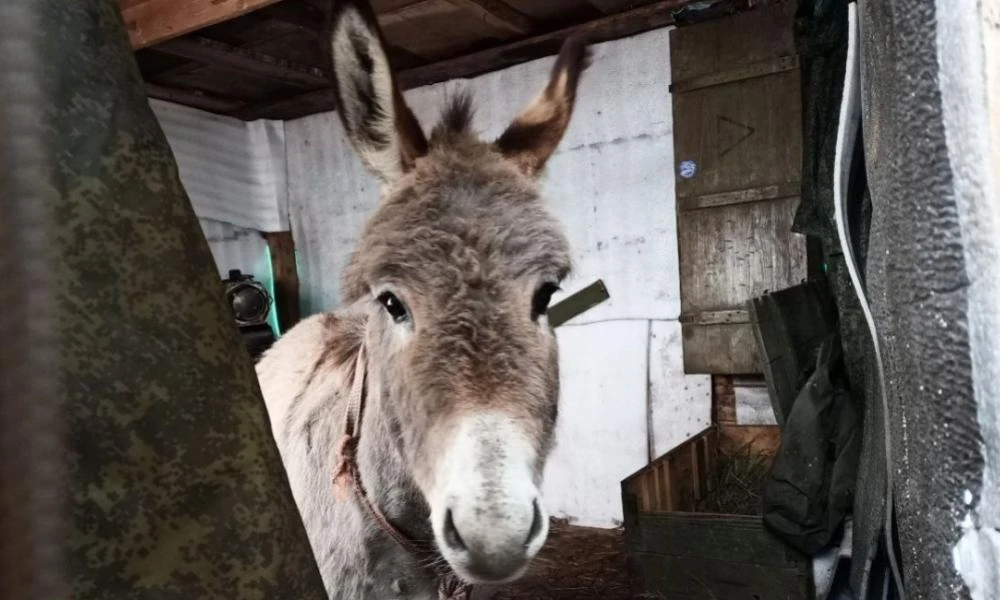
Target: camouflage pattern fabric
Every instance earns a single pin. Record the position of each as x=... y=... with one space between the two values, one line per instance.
x=176 y=486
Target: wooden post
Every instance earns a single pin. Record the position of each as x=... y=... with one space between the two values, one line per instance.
x=286 y=277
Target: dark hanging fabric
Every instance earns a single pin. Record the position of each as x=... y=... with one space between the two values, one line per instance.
x=32 y=448
x=821 y=40
x=175 y=488
x=811 y=486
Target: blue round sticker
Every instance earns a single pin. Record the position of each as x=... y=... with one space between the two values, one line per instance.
x=688 y=169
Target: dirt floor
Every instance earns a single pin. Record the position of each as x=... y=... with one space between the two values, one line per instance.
x=577 y=562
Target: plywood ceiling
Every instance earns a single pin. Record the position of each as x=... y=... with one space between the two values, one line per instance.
x=266 y=58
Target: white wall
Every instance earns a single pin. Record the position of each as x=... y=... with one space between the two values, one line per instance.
x=235 y=247
x=625 y=397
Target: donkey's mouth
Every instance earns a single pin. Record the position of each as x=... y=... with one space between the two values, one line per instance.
x=485 y=575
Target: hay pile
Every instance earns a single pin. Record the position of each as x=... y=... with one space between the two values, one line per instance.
x=737 y=483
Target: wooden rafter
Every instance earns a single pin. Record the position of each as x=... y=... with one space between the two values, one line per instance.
x=203 y=53
x=153 y=21
x=241 y=59
x=193 y=98
x=308 y=18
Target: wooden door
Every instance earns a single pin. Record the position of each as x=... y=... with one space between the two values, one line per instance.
x=737 y=149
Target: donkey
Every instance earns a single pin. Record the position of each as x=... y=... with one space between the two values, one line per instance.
x=429 y=400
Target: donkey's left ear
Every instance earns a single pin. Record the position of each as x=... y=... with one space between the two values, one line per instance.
x=382 y=128
x=536 y=132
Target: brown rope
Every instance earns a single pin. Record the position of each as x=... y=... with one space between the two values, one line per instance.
x=347 y=477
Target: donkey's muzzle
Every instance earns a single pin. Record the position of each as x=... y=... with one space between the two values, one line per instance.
x=485 y=509
x=497 y=547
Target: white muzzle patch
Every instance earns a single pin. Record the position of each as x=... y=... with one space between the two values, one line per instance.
x=486 y=510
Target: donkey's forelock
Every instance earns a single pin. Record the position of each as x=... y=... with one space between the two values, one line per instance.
x=456 y=118
x=434 y=247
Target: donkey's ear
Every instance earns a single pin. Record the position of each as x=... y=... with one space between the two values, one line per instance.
x=536 y=132
x=381 y=126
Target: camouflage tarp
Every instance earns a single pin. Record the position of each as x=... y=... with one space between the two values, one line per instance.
x=176 y=486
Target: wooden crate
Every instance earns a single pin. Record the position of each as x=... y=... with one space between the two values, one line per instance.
x=678 y=554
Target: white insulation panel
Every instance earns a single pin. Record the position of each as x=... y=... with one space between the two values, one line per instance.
x=680 y=406
x=233 y=171
x=601 y=432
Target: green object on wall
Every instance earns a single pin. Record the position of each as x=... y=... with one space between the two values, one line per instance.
x=578 y=303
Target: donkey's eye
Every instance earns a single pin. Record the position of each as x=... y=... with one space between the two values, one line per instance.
x=393 y=306
x=540 y=303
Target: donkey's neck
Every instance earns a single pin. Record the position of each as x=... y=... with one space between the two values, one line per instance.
x=391 y=571
x=308 y=409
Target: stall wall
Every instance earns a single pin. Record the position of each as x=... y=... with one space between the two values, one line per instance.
x=624 y=397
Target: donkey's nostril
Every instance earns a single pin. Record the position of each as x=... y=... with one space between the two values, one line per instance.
x=536 y=524
x=451 y=537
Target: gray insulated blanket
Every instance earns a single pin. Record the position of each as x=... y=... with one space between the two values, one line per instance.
x=927 y=238
x=932 y=276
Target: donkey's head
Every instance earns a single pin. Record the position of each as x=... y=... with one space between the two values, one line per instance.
x=455 y=269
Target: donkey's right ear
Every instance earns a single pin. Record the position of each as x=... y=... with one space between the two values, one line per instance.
x=378 y=122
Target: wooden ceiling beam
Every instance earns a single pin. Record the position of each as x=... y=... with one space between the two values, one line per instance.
x=193 y=98
x=409 y=11
x=311 y=21
x=306 y=17
x=218 y=54
x=500 y=13
x=205 y=53
x=153 y=21
x=652 y=16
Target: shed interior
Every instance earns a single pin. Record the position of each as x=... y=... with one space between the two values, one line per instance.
x=267 y=59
